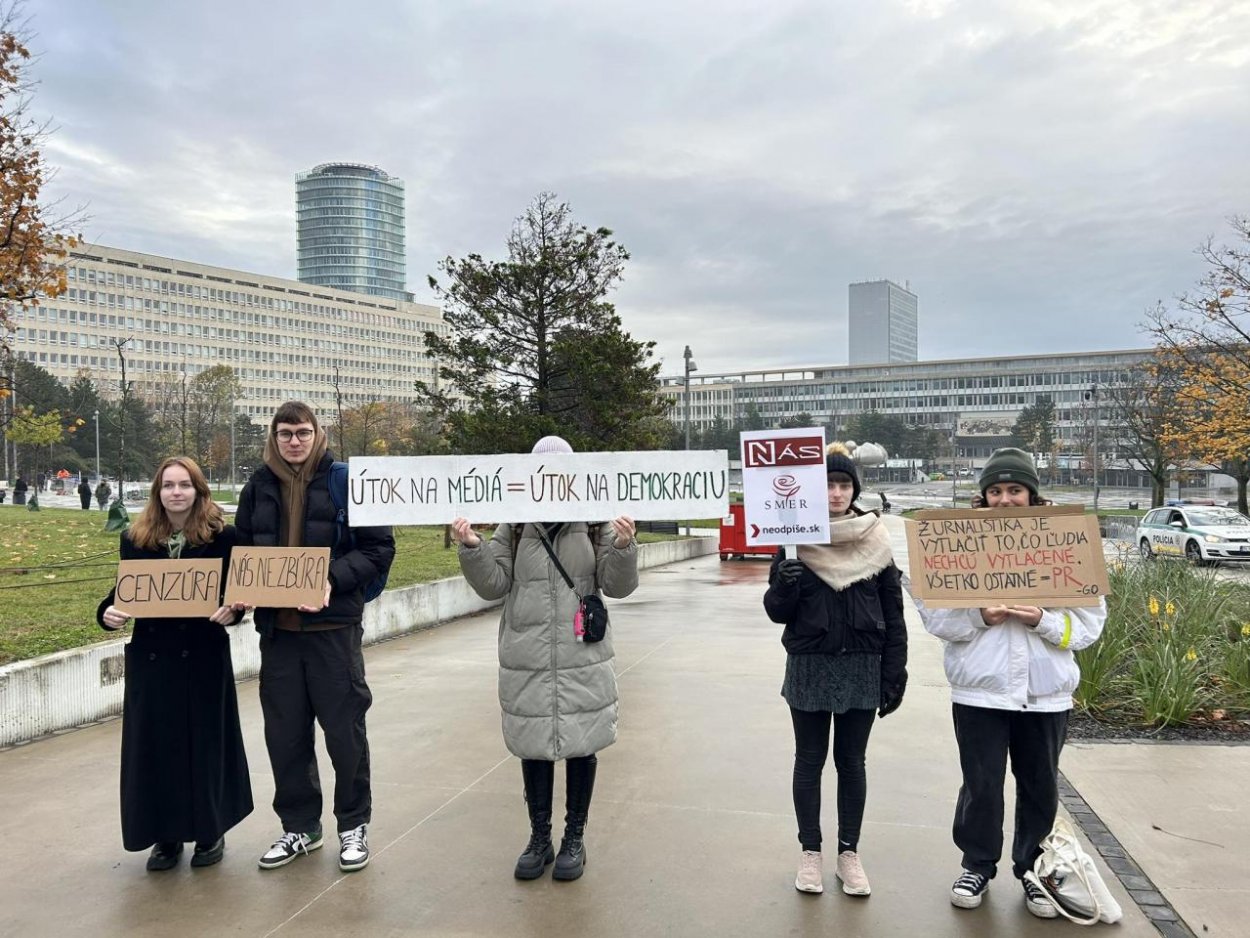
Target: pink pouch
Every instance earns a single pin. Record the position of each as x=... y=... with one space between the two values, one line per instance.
x=579 y=626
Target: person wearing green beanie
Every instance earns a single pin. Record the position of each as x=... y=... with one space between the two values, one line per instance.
x=1010 y=466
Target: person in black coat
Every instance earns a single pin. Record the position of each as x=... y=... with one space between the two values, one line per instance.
x=184 y=774
x=84 y=494
x=19 y=491
x=842 y=606
x=312 y=666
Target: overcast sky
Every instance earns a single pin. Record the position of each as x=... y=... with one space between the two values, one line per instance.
x=1039 y=170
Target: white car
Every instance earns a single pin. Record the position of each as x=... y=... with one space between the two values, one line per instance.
x=1198 y=533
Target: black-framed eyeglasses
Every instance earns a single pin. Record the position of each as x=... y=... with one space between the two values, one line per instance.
x=304 y=435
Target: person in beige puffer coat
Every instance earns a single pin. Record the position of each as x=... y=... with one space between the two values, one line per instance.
x=558 y=693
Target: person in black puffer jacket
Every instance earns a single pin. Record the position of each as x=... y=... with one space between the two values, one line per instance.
x=311 y=663
x=842 y=606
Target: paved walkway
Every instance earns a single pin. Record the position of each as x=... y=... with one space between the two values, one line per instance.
x=691 y=829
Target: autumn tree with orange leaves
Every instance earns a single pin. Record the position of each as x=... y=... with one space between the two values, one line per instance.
x=1213 y=423
x=1208 y=332
x=34 y=241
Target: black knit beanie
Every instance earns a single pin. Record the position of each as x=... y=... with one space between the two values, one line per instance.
x=1010 y=465
x=838 y=459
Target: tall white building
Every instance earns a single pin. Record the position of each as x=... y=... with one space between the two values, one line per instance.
x=882 y=318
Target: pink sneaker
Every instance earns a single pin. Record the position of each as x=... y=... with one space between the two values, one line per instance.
x=811 y=876
x=851 y=872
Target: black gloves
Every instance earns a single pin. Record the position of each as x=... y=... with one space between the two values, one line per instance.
x=891 y=700
x=789 y=570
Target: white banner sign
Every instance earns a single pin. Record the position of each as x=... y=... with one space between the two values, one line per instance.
x=784 y=493
x=510 y=487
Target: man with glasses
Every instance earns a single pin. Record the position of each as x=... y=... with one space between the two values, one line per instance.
x=312 y=667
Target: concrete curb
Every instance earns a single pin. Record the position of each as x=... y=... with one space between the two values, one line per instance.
x=66 y=689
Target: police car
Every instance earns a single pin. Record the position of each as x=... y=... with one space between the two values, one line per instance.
x=1199 y=534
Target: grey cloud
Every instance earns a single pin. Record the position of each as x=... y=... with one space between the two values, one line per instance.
x=1034 y=171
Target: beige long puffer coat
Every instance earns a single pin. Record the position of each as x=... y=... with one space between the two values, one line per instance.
x=558 y=695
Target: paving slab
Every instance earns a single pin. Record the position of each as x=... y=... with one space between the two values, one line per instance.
x=691 y=831
x=1179 y=810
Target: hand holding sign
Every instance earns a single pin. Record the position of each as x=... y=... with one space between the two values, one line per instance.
x=624 y=529
x=226 y=615
x=462 y=533
x=997 y=615
x=325 y=601
x=114 y=618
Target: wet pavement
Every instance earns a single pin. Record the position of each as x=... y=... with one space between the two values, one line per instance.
x=691 y=831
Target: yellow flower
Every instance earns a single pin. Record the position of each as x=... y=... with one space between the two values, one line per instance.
x=1245 y=630
x=1170 y=608
x=1154 y=606
x=1191 y=655
x=1167 y=626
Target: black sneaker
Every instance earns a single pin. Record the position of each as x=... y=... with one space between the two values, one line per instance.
x=968 y=890
x=208 y=854
x=164 y=856
x=289 y=846
x=1037 y=902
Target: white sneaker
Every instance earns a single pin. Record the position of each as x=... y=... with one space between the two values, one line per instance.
x=851 y=872
x=811 y=876
x=353 y=849
x=289 y=846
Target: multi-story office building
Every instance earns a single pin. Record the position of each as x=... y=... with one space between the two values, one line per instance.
x=978 y=400
x=881 y=323
x=350 y=224
x=284 y=339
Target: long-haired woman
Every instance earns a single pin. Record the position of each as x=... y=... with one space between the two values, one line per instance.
x=183 y=769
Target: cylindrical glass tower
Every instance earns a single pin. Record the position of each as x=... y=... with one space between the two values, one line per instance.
x=350 y=229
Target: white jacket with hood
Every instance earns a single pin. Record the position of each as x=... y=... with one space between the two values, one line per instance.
x=1012 y=666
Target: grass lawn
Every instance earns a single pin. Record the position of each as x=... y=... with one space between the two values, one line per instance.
x=58 y=563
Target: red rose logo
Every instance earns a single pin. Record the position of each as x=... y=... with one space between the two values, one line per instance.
x=786 y=486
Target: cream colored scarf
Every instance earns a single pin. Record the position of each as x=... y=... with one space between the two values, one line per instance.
x=859 y=547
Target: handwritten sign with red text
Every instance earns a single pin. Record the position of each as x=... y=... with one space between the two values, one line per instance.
x=1045 y=556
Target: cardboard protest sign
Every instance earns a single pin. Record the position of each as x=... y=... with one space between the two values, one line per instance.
x=278 y=577
x=171 y=589
x=784 y=492
x=1044 y=556
x=661 y=485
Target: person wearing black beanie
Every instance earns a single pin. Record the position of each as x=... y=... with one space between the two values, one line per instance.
x=846 y=664
x=1012 y=672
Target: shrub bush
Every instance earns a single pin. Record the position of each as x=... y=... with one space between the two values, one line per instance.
x=1176 y=647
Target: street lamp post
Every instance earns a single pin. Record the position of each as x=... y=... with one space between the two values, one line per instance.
x=1092 y=396
x=233 y=421
x=690 y=366
x=97 y=444
x=954 y=467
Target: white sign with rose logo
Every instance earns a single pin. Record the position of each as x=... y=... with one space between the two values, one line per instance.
x=784 y=495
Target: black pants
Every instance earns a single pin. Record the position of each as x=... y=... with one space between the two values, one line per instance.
x=811 y=745
x=986 y=739
x=316 y=675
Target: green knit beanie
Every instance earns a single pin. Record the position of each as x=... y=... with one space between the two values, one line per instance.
x=1010 y=465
